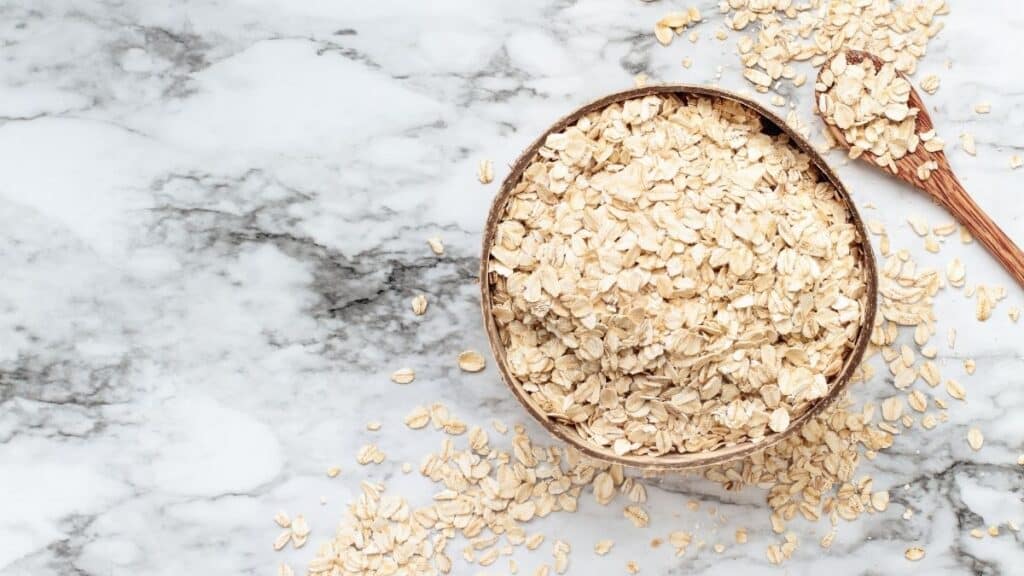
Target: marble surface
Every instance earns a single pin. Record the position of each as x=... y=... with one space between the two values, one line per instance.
x=214 y=217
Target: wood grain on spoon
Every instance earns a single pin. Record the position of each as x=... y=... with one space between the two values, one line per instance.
x=942 y=185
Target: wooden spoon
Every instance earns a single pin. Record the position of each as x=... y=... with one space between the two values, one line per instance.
x=942 y=185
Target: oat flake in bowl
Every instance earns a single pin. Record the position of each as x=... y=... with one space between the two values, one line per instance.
x=671 y=280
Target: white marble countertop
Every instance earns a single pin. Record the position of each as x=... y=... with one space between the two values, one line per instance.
x=213 y=220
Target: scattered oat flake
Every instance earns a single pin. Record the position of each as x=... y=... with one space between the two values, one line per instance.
x=299 y=526
x=637 y=515
x=418 y=418
x=993 y=530
x=419 y=304
x=1013 y=313
x=373 y=426
x=969 y=366
x=892 y=408
x=403 y=376
x=917 y=401
x=687 y=62
x=919 y=225
x=485 y=172
x=975 y=439
x=774 y=554
x=983 y=107
x=282 y=519
x=914 y=553
x=880 y=500
x=930 y=83
x=369 y=453
x=640 y=80
x=561 y=552
x=603 y=547
x=436 y=246
x=955 y=273
x=664 y=34
x=1016 y=162
x=285 y=570
x=967 y=143
x=977 y=533
x=282 y=539
x=471 y=361
x=499 y=426
x=955 y=390
x=333 y=472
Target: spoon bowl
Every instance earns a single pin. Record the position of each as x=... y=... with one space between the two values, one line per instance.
x=941 y=184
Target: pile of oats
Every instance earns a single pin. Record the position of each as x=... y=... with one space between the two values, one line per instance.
x=487 y=496
x=871 y=109
x=675 y=23
x=784 y=32
x=668 y=278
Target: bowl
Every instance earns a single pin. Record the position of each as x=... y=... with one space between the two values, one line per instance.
x=675 y=461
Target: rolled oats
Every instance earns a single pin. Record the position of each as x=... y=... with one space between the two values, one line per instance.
x=282 y=539
x=930 y=83
x=914 y=554
x=871 y=107
x=419 y=304
x=646 y=250
x=403 y=376
x=675 y=23
x=282 y=519
x=485 y=172
x=436 y=246
x=786 y=32
x=967 y=144
x=637 y=515
x=472 y=361
x=975 y=438
x=418 y=418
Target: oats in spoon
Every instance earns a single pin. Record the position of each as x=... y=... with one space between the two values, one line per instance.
x=870 y=107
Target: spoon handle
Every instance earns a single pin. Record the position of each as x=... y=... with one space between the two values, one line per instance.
x=944 y=186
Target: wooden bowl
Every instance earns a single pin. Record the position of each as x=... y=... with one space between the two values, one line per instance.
x=674 y=461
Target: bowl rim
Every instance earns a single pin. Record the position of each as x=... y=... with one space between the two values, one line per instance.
x=675 y=461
